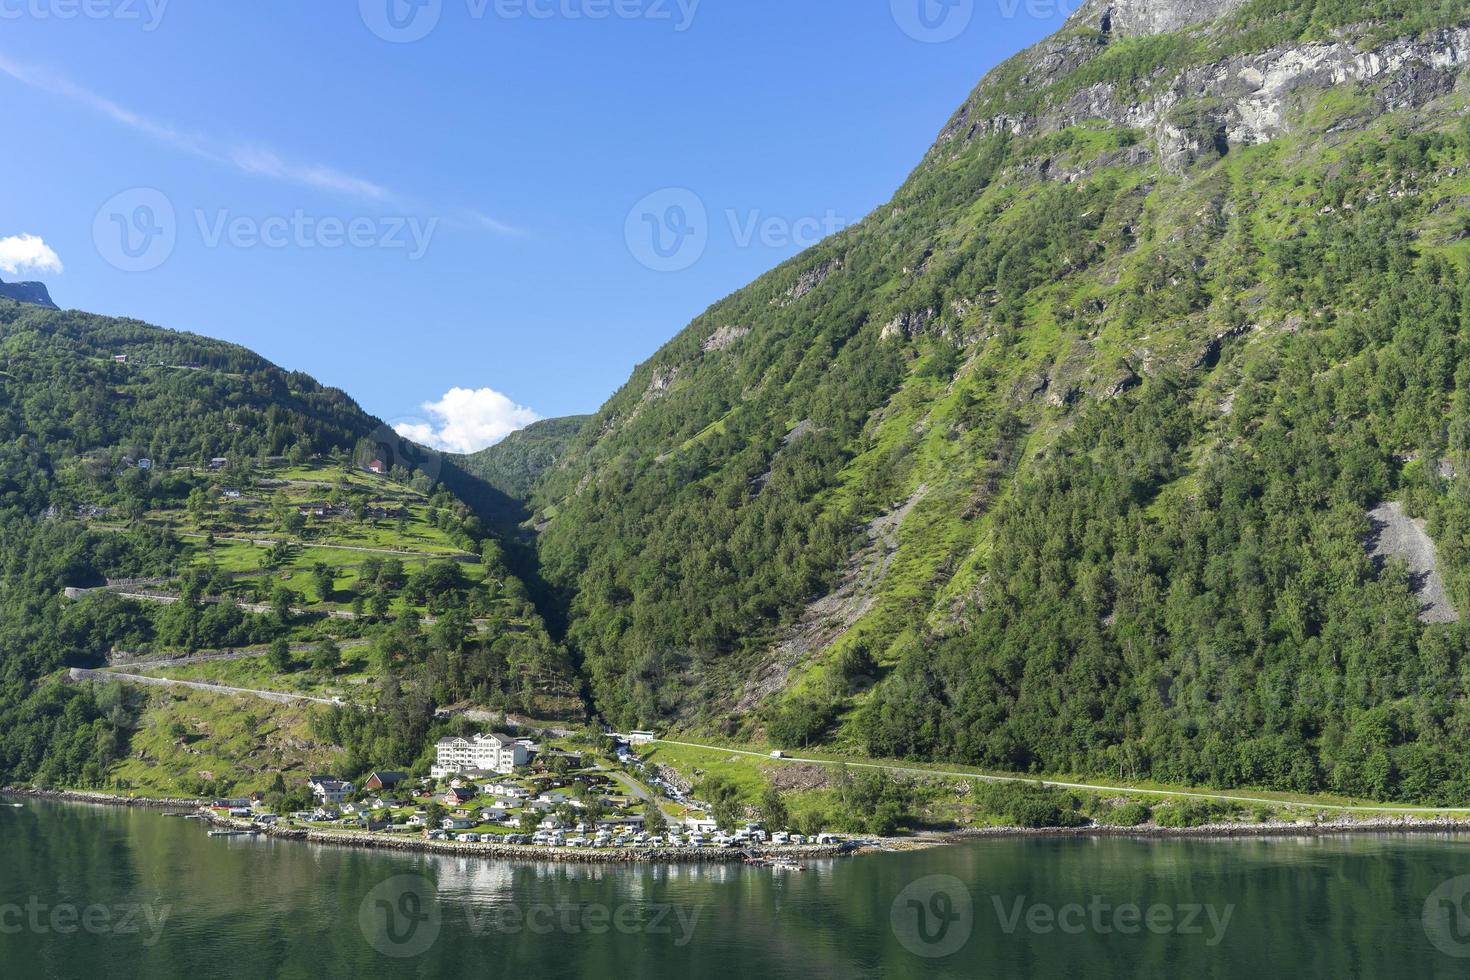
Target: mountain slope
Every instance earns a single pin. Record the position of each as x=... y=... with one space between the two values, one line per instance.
x=163 y=493
x=515 y=464
x=1063 y=460
x=34 y=293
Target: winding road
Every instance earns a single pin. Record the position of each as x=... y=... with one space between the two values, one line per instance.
x=281 y=697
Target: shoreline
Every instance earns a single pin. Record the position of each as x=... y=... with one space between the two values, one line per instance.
x=530 y=852
x=925 y=840
x=1220 y=831
x=104 y=799
x=384 y=842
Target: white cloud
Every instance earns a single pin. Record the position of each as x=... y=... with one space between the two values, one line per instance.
x=466 y=421
x=253 y=159
x=22 y=254
x=256 y=160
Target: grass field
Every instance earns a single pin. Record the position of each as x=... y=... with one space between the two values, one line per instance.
x=184 y=744
x=350 y=681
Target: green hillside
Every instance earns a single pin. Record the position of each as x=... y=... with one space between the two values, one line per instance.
x=167 y=497
x=516 y=463
x=1063 y=460
x=1128 y=440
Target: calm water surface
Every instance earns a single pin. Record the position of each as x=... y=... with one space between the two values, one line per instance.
x=104 y=892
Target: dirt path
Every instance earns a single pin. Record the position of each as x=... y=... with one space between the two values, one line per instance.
x=141 y=662
x=260 y=608
x=639 y=790
x=116 y=676
x=1091 y=787
x=459 y=556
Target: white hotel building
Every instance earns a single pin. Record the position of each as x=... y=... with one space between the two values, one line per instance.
x=483 y=753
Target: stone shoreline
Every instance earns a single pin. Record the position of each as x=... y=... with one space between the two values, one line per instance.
x=713 y=855
x=104 y=799
x=527 y=852
x=1274 y=828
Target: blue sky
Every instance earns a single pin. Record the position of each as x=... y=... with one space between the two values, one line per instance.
x=468 y=213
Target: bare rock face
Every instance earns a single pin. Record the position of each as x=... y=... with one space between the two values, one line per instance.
x=724 y=338
x=1209 y=108
x=1396 y=535
x=33 y=293
x=1130 y=17
x=910 y=323
x=808 y=281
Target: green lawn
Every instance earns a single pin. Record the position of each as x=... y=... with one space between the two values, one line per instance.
x=350 y=681
x=240 y=741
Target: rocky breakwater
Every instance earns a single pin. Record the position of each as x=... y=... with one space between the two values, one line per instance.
x=1397 y=824
x=107 y=799
x=525 y=852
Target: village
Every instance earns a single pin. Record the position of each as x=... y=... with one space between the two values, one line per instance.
x=503 y=789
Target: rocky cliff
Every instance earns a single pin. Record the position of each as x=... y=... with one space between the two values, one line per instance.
x=1196 y=92
x=33 y=293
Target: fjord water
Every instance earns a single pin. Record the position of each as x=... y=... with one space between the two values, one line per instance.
x=91 y=891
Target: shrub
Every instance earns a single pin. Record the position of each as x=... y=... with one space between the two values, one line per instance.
x=1130 y=814
x=1030 y=804
x=1192 y=813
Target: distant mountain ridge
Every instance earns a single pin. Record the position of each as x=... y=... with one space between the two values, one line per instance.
x=516 y=463
x=34 y=293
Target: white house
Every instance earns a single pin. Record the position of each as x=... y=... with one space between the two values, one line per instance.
x=329 y=790
x=507 y=790
x=457 y=823
x=491 y=753
x=633 y=820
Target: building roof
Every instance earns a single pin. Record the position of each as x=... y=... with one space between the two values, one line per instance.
x=502 y=739
x=388 y=776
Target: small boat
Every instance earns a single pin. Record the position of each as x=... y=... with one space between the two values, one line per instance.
x=786 y=864
x=15 y=806
x=231 y=833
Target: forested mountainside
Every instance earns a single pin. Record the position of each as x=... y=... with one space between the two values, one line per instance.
x=235 y=498
x=1063 y=461
x=515 y=464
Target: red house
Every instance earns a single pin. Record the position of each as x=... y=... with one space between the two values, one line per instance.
x=377 y=466
x=384 y=780
x=459 y=797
